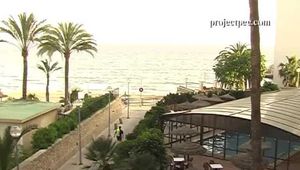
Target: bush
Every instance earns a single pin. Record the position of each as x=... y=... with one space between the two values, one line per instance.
x=238 y=94
x=269 y=86
x=43 y=138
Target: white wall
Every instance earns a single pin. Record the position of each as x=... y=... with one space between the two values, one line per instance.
x=287 y=33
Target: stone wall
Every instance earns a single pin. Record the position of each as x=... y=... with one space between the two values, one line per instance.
x=56 y=155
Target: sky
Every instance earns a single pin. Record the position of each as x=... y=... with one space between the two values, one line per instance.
x=151 y=21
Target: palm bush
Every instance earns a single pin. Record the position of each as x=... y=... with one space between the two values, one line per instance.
x=101 y=153
x=288 y=71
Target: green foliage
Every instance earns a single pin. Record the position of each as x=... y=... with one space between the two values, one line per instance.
x=145 y=161
x=23 y=33
x=124 y=149
x=43 y=138
x=7 y=145
x=151 y=120
x=269 y=86
x=32 y=97
x=74 y=95
x=146 y=138
x=288 y=71
x=233 y=68
x=6 y=149
x=47 y=67
x=66 y=39
x=64 y=125
x=101 y=152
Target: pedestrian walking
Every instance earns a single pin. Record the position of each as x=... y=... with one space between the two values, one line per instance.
x=119 y=133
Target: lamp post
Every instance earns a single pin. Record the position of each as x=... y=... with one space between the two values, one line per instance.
x=298 y=72
x=109 y=89
x=186 y=82
x=128 y=81
x=15 y=132
x=78 y=104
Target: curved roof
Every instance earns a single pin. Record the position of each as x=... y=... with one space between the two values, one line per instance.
x=280 y=112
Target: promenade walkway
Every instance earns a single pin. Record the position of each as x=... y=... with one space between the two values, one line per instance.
x=136 y=114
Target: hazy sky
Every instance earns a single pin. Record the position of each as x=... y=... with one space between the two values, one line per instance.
x=151 y=21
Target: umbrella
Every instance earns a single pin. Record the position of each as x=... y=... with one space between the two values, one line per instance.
x=247 y=146
x=184 y=130
x=185 y=106
x=188 y=148
x=244 y=161
x=199 y=96
x=200 y=103
x=227 y=97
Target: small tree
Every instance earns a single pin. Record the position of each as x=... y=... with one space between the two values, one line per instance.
x=288 y=71
x=7 y=145
x=48 y=68
x=233 y=67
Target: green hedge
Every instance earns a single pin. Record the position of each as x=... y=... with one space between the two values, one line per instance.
x=45 y=137
x=269 y=86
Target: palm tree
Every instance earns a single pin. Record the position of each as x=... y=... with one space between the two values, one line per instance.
x=48 y=68
x=289 y=71
x=24 y=33
x=65 y=39
x=233 y=66
x=101 y=152
x=7 y=145
x=255 y=88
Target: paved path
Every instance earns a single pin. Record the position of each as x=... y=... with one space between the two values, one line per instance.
x=136 y=114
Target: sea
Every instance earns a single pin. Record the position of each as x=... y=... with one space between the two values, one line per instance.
x=157 y=68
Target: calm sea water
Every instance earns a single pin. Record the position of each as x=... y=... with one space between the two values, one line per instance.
x=159 y=69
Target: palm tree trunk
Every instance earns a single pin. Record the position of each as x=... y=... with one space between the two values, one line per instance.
x=47 y=88
x=67 y=57
x=25 y=73
x=255 y=88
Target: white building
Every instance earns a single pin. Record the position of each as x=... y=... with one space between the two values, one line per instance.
x=287 y=33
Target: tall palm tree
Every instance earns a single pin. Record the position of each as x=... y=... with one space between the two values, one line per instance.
x=24 y=33
x=255 y=88
x=7 y=145
x=101 y=152
x=65 y=39
x=48 y=68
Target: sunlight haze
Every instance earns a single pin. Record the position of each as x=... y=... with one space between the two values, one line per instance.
x=155 y=21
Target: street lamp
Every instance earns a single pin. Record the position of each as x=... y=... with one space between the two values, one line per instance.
x=128 y=81
x=78 y=104
x=15 y=132
x=186 y=82
x=109 y=89
x=298 y=72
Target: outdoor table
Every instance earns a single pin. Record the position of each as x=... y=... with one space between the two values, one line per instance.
x=178 y=159
x=215 y=166
x=179 y=162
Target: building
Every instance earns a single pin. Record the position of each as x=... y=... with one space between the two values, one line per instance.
x=26 y=113
x=287 y=33
x=224 y=128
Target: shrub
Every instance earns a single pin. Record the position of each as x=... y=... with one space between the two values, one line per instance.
x=269 y=86
x=43 y=138
x=238 y=94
